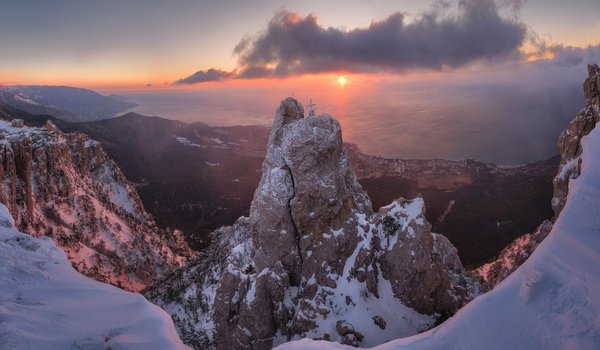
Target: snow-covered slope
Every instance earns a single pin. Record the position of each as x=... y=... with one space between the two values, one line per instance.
x=64 y=186
x=553 y=300
x=46 y=304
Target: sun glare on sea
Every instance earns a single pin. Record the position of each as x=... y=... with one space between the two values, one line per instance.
x=341 y=80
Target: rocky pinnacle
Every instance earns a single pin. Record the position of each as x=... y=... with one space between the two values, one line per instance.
x=313 y=259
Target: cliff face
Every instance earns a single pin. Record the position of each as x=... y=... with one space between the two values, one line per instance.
x=513 y=256
x=312 y=259
x=569 y=142
x=65 y=187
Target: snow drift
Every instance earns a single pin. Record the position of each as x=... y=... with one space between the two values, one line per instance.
x=46 y=304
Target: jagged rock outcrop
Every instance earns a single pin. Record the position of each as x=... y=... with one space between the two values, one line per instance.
x=312 y=259
x=65 y=187
x=569 y=141
x=513 y=256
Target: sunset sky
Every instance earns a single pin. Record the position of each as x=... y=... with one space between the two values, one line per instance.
x=114 y=44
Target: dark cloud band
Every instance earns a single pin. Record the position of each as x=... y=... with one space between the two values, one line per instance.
x=203 y=76
x=292 y=44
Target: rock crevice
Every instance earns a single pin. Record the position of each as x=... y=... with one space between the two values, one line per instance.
x=292 y=215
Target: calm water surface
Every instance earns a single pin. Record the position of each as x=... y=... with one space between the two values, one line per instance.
x=503 y=123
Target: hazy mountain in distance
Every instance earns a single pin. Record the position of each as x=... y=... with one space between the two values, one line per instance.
x=64 y=102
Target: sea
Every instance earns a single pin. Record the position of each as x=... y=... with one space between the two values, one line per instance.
x=505 y=121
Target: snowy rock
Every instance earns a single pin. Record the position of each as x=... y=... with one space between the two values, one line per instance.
x=513 y=256
x=17 y=123
x=312 y=259
x=189 y=294
x=416 y=262
x=350 y=336
x=65 y=187
x=569 y=142
x=379 y=321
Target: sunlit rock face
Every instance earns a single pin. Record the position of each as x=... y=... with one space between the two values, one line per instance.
x=513 y=256
x=64 y=186
x=312 y=259
x=569 y=141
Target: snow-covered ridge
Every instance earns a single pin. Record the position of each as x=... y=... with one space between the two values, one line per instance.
x=46 y=304
x=569 y=141
x=65 y=187
x=12 y=130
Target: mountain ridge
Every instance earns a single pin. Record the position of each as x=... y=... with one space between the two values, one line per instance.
x=64 y=102
x=65 y=186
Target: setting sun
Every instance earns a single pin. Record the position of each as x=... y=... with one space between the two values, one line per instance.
x=342 y=80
